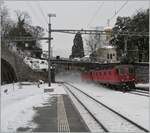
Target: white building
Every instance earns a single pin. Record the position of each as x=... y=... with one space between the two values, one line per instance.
x=45 y=54
x=107 y=54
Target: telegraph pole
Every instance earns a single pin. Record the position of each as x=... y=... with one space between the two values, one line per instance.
x=49 y=48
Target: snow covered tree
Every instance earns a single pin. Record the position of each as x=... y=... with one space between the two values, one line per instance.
x=92 y=44
x=138 y=46
x=6 y=22
x=24 y=28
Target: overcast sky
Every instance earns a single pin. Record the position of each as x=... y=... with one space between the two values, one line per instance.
x=73 y=15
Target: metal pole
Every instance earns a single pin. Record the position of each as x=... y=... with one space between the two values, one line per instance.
x=125 y=46
x=49 y=48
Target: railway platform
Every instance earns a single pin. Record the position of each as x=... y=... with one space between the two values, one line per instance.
x=57 y=115
x=71 y=107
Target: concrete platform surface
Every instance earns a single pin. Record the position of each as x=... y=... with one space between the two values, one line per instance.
x=58 y=115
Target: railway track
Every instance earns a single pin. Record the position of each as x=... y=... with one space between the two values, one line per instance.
x=143 y=88
x=139 y=92
x=142 y=91
x=100 y=127
x=108 y=119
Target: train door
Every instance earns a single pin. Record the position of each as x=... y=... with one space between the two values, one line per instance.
x=91 y=76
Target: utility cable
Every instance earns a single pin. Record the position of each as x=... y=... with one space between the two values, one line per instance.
x=98 y=9
x=42 y=12
x=32 y=10
x=119 y=10
x=35 y=13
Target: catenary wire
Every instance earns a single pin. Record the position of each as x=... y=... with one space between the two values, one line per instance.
x=35 y=13
x=42 y=13
x=118 y=10
x=98 y=9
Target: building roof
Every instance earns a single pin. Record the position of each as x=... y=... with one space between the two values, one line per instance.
x=108 y=47
x=108 y=28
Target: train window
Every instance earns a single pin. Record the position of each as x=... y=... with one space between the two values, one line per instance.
x=107 y=56
x=117 y=71
x=131 y=70
x=110 y=56
x=121 y=71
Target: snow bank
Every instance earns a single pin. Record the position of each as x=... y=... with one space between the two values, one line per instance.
x=18 y=103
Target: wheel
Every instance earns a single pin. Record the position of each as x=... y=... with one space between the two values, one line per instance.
x=131 y=86
x=124 y=87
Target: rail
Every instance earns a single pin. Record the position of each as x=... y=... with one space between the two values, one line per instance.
x=127 y=119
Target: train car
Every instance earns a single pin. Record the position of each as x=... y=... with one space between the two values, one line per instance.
x=87 y=75
x=119 y=77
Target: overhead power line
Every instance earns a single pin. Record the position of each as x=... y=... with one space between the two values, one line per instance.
x=71 y=31
x=36 y=15
x=119 y=10
x=29 y=5
x=98 y=9
x=40 y=9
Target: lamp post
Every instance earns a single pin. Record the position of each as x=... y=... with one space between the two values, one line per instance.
x=49 y=48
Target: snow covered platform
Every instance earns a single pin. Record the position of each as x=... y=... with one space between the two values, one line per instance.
x=32 y=107
x=29 y=107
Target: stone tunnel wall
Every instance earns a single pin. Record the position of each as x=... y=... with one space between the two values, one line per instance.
x=23 y=72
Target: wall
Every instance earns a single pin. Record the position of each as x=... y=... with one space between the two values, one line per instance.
x=22 y=71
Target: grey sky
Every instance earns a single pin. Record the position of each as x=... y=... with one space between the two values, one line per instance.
x=73 y=15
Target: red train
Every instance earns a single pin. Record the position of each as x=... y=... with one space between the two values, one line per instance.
x=120 y=76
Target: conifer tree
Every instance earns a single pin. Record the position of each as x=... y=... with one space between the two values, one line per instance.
x=77 y=48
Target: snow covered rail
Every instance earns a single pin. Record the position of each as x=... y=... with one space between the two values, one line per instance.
x=98 y=122
x=141 y=93
x=112 y=120
x=142 y=88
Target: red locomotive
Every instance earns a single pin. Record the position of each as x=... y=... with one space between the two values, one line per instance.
x=120 y=76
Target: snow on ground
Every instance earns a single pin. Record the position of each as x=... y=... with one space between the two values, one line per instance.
x=142 y=85
x=18 y=103
x=132 y=106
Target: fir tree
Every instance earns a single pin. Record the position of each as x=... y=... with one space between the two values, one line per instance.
x=77 y=48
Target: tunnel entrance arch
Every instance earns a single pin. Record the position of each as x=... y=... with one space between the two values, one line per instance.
x=8 y=74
